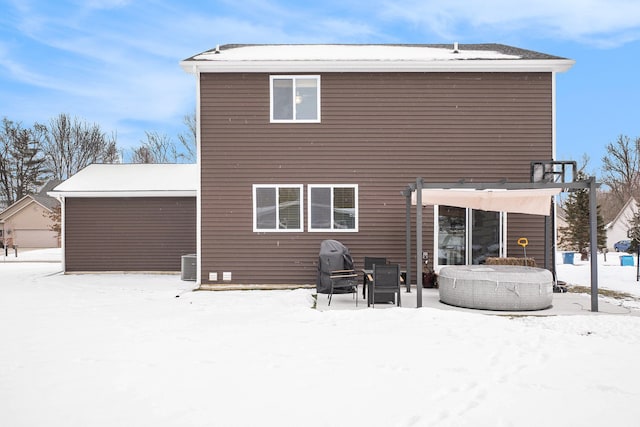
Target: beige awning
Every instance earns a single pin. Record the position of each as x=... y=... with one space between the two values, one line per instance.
x=530 y=201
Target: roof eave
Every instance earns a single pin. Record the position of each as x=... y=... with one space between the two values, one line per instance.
x=193 y=66
x=160 y=193
x=16 y=207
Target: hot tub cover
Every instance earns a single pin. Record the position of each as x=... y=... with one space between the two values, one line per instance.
x=496 y=287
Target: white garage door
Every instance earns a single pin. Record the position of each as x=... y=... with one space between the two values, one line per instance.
x=35 y=238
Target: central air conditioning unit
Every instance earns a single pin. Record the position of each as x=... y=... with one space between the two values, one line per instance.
x=189 y=269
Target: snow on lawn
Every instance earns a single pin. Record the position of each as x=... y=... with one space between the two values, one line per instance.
x=611 y=275
x=133 y=350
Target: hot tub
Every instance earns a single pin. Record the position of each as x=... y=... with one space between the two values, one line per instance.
x=496 y=287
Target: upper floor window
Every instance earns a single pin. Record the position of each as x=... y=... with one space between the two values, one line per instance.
x=277 y=208
x=333 y=208
x=295 y=99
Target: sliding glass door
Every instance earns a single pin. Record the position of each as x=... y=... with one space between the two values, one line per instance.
x=452 y=235
x=467 y=236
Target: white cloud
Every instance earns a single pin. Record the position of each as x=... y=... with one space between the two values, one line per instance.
x=116 y=61
x=602 y=22
x=104 y=4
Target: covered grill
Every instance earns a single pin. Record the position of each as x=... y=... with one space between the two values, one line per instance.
x=333 y=256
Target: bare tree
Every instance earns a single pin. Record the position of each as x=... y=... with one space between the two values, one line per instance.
x=621 y=167
x=158 y=148
x=111 y=154
x=188 y=139
x=56 y=220
x=162 y=147
x=610 y=205
x=142 y=154
x=72 y=145
x=22 y=168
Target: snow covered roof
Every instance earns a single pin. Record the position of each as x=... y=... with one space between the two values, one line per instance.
x=131 y=180
x=369 y=57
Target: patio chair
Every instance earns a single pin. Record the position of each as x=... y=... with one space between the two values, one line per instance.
x=369 y=262
x=386 y=279
x=345 y=281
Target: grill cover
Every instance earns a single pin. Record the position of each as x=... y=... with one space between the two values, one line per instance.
x=333 y=256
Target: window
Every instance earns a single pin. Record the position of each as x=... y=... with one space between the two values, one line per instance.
x=333 y=208
x=295 y=99
x=466 y=236
x=277 y=208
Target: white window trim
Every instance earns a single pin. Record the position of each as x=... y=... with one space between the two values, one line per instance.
x=332 y=229
x=294 y=77
x=277 y=188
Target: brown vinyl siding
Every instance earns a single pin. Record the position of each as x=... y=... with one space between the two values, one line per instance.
x=379 y=131
x=129 y=234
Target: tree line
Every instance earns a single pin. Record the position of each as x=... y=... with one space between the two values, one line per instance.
x=30 y=156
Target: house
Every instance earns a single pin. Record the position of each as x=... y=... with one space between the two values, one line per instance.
x=302 y=143
x=618 y=228
x=27 y=223
x=128 y=217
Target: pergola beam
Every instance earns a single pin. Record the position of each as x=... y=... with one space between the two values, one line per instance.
x=505 y=185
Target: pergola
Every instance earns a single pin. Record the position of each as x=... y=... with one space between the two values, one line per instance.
x=530 y=198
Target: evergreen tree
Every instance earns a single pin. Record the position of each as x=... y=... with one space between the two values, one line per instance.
x=634 y=229
x=576 y=236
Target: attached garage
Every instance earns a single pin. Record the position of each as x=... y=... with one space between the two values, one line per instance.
x=130 y=218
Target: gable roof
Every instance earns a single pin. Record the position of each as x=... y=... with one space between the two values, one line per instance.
x=131 y=180
x=41 y=198
x=627 y=208
x=372 y=57
x=21 y=204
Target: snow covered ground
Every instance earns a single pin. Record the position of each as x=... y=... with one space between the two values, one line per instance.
x=138 y=350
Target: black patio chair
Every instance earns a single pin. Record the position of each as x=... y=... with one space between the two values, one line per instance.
x=386 y=279
x=369 y=262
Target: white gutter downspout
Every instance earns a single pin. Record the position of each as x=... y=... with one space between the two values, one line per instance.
x=553 y=116
x=554 y=156
x=61 y=199
x=199 y=178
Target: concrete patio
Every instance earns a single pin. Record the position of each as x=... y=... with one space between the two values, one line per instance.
x=563 y=304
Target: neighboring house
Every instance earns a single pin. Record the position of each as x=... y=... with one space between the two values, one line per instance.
x=128 y=217
x=28 y=224
x=618 y=228
x=302 y=143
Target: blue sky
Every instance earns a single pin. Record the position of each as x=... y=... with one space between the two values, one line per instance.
x=115 y=62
